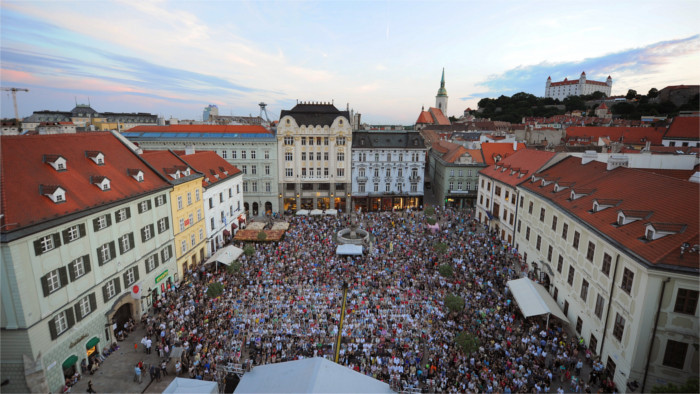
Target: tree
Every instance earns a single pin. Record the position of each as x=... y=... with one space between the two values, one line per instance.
x=454 y=303
x=429 y=210
x=653 y=93
x=262 y=236
x=249 y=250
x=431 y=220
x=234 y=267
x=692 y=385
x=467 y=342
x=215 y=289
x=440 y=247
x=631 y=94
x=445 y=270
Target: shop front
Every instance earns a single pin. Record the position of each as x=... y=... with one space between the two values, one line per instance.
x=339 y=204
x=92 y=349
x=70 y=367
x=323 y=203
x=290 y=204
x=387 y=203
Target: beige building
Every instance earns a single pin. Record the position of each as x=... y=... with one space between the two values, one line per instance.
x=621 y=260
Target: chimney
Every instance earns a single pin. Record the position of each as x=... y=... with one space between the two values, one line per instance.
x=515 y=146
x=589 y=156
x=189 y=149
x=615 y=161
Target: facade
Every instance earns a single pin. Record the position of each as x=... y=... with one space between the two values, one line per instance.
x=251 y=149
x=90 y=222
x=684 y=131
x=187 y=207
x=85 y=117
x=388 y=170
x=223 y=197
x=498 y=194
x=576 y=87
x=621 y=260
x=314 y=141
x=453 y=172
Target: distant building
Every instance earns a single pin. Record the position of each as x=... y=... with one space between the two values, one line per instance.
x=684 y=131
x=435 y=115
x=453 y=174
x=85 y=117
x=576 y=87
x=210 y=111
x=441 y=98
x=678 y=94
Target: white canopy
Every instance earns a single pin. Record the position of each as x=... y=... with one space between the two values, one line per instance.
x=316 y=212
x=349 y=249
x=310 y=375
x=226 y=255
x=183 y=386
x=333 y=212
x=302 y=212
x=533 y=299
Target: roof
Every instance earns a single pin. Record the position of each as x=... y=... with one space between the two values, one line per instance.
x=525 y=162
x=533 y=299
x=637 y=191
x=438 y=117
x=214 y=168
x=629 y=135
x=387 y=140
x=684 y=127
x=576 y=82
x=24 y=170
x=494 y=150
x=166 y=162
x=424 y=117
x=201 y=128
x=314 y=114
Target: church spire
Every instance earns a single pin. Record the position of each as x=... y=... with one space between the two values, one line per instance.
x=442 y=81
x=441 y=98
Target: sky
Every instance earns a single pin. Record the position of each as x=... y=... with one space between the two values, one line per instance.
x=383 y=59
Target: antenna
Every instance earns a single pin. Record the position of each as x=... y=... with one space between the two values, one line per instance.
x=263 y=109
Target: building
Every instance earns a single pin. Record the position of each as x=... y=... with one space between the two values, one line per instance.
x=252 y=149
x=453 y=173
x=223 y=196
x=209 y=112
x=498 y=194
x=314 y=141
x=85 y=117
x=388 y=170
x=678 y=94
x=684 y=131
x=441 y=97
x=187 y=207
x=621 y=260
x=85 y=222
x=576 y=87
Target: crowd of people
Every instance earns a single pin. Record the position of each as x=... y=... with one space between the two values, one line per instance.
x=284 y=303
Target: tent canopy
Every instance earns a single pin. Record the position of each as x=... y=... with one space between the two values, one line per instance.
x=316 y=212
x=333 y=212
x=182 y=386
x=349 y=250
x=310 y=375
x=226 y=255
x=302 y=212
x=533 y=299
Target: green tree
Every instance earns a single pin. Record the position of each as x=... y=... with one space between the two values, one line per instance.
x=215 y=289
x=445 y=270
x=234 y=267
x=249 y=250
x=440 y=248
x=631 y=94
x=262 y=236
x=429 y=210
x=431 y=220
x=454 y=303
x=692 y=385
x=653 y=93
x=467 y=342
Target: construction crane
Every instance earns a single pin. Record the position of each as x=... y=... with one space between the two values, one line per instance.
x=14 y=98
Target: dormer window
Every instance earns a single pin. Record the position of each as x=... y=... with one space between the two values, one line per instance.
x=96 y=156
x=545 y=182
x=628 y=216
x=173 y=172
x=222 y=169
x=534 y=179
x=655 y=231
x=100 y=181
x=56 y=193
x=601 y=204
x=576 y=194
x=58 y=162
x=136 y=174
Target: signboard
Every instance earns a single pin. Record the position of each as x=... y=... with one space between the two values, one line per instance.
x=162 y=276
x=187 y=222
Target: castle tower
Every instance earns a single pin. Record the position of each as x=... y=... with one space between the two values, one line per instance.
x=441 y=98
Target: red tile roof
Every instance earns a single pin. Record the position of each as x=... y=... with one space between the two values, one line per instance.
x=629 y=135
x=201 y=128
x=24 y=170
x=491 y=150
x=424 y=118
x=638 y=191
x=576 y=81
x=166 y=162
x=525 y=161
x=686 y=127
x=211 y=164
x=438 y=116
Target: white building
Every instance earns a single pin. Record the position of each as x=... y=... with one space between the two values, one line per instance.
x=223 y=196
x=576 y=87
x=684 y=131
x=85 y=221
x=388 y=170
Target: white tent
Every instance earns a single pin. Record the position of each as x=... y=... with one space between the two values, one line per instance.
x=316 y=212
x=226 y=255
x=302 y=212
x=534 y=300
x=349 y=249
x=185 y=386
x=333 y=212
x=311 y=375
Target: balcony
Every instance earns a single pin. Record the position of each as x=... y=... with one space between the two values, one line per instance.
x=362 y=179
x=413 y=178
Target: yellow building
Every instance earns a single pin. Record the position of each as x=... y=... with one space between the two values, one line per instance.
x=186 y=199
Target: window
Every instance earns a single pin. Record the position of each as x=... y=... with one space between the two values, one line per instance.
x=163 y=225
x=376 y=157
x=554 y=223
x=151 y=262
x=325 y=155
x=234 y=154
x=224 y=154
x=318 y=140
x=254 y=187
x=599 y=304
x=498 y=189
x=570 y=279
x=388 y=187
x=182 y=224
x=212 y=222
x=111 y=289
x=199 y=214
x=61 y=323
x=556 y=294
x=340 y=141
x=289 y=140
x=565 y=231
x=243 y=154
x=606 y=264
x=303 y=156
x=303 y=140
x=675 y=354
x=376 y=187
x=160 y=200
x=253 y=170
x=619 y=328
x=591 y=251
x=131 y=276
x=244 y=170
x=47 y=243
x=146 y=233
x=539 y=242
x=126 y=243
x=106 y=253
x=183 y=247
x=85 y=306
x=610 y=367
x=196 y=195
x=288 y=156
x=166 y=253
x=527 y=233
x=549 y=253
x=221 y=197
x=519 y=224
x=584 y=290
x=361 y=187
x=340 y=172
x=253 y=154
x=325 y=140
x=522 y=199
x=122 y=215
x=560 y=263
x=146 y=205
x=452 y=186
x=529 y=208
x=579 y=325
x=577 y=236
x=686 y=301
x=201 y=234
x=54 y=280
x=268 y=185
x=318 y=156
x=627 y=279
x=245 y=186
x=566 y=308
x=311 y=140
x=288 y=172
x=267 y=154
x=341 y=156
x=267 y=169
x=179 y=202
x=193 y=239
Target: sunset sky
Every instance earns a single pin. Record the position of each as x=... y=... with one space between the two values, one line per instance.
x=384 y=58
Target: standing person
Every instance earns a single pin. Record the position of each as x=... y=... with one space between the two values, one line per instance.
x=164 y=368
x=148 y=345
x=152 y=372
x=137 y=374
x=90 y=389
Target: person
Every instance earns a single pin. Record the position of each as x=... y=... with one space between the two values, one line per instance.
x=152 y=372
x=178 y=368
x=89 y=388
x=137 y=374
x=164 y=368
x=136 y=347
x=149 y=343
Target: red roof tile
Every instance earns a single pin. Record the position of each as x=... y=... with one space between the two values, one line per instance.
x=424 y=118
x=629 y=135
x=687 y=127
x=201 y=128
x=438 y=116
x=522 y=161
x=492 y=150
x=211 y=164
x=165 y=162
x=24 y=170
x=638 y=191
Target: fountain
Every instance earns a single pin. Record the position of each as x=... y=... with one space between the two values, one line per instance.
x=353 y=235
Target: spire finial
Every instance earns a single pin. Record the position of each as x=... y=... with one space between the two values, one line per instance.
x=442 y=81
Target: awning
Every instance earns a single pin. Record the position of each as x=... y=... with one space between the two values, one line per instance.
x=533 y=299
x=316 y=212
x=225 y=255
x=333 y=212
x=91 y=343
x=302 y=212
x=227 y=233
x=349 y=250
x=70 y=361
x=234 y=226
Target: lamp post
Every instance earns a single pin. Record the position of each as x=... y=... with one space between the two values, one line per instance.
x=340 y=324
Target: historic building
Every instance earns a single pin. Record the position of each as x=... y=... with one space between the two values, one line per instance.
x=453 y=172
x=388 y=170
x=435 y=116
x=684 y=131
x=223 y=196
x=621 y=260
x=85 y=117
x=441 y=97
x=251 y=149
x=314 y=141
x=576 y=87
x=85 y=225
x=186 y=201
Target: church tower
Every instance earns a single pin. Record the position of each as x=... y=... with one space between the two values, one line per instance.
x=441 y=98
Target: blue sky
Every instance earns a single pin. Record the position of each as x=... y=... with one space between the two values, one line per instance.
x=384 y=58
